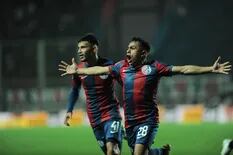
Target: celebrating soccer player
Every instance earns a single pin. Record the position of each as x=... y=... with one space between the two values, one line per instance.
x=102 y=105
x=139 y=79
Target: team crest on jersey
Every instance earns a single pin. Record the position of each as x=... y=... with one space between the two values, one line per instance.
x=103 y=77
x=146 y=69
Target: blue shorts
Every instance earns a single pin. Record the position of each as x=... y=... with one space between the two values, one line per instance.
x=141 y=134
x=108 y=131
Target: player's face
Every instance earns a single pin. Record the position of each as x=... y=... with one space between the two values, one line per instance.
x=85 y=50
x=134 y=53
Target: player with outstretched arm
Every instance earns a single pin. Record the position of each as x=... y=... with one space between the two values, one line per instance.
x=140 y=79
x=101 y=103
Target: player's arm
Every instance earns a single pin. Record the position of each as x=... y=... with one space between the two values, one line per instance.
x=96 y=70
x=73 y=69
x=191 y=69
x=217 y=67
x=73 y=96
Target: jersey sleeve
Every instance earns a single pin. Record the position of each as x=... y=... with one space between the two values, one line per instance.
x=115 y=69
x=74 y=93
x=163 y=69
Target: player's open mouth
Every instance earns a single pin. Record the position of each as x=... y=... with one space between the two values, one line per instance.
x=128 y=57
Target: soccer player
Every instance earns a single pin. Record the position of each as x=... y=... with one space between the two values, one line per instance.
x=140 y=80
x=227 y=146
x=102 y=105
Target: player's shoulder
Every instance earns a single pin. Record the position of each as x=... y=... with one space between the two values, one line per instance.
x=150 y=62
x=120 y=64
x=158 y=63
x=105 y=61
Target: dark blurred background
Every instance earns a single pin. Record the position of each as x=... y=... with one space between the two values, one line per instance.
x=35 y=35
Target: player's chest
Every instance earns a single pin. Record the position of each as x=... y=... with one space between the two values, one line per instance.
x=98 y=80
x=144 y=75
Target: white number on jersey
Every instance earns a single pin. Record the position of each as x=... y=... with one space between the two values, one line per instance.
x=115 y=126
x=142 y=131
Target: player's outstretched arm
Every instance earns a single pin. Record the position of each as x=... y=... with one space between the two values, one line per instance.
x=73 y=69
x=96 y=70
x=223 y=68
x=66 y=68
x=217 y=67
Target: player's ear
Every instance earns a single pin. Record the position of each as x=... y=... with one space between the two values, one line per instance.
x=95 y=48
x=144 y=53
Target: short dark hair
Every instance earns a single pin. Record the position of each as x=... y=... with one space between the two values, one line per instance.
x=89 y=38
x=144 y=44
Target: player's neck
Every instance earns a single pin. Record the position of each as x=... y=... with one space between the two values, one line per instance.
x=137 y=66
x=140 y=64
x=92 y=61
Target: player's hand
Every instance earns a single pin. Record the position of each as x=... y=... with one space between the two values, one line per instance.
x=223 y=68
x=67 y=118
x=66 y=68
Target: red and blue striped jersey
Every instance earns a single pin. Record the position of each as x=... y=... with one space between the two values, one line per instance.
x=139 y=90
x=101 y=102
